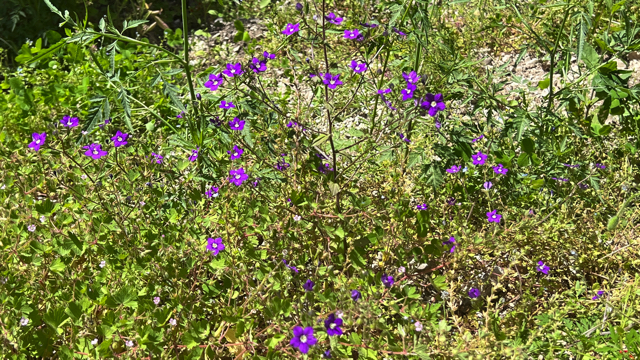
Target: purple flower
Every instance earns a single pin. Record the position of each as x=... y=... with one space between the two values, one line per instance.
x=293 y=268
x=237 y=177
x=156 y=300
x=387 y=280
x=226 y=105
x=214 y=82
x=408 y=92
x=600 y=166
x=213 y=192
x=351 y=34
x=179 y=116
x=500 y=169
x=542 y=268
x=158 y=157
x=236 y=124
x=451 y=241
x=215 y=121
x=451 y=201
x=332 y=324
x=358 y=68
x=433 y=104
x=292 y=124
x=368 y=25
x=268 y=56
x=411 y=77
x=583 y=186
x=438 y=125
x=571 y=166
x=327 y=354
x=303 y=338
x=384 y=91
x=94 y=151
x=233 y=70
x=560 y=179
x=282 y=165
x=598 y=295
x=493 y=216
x=308 y=285
x=422 y=207
x=356 y=295
x=291 y=28
x=332 y=81
x=120 y=139
x=235 y=153
x=479 y=158
x=399 y=32
x=454 y=169
x=215 y=245
x=68 y=121
x=403 y=138
x=198 y=96
x=38 y=140
x=478 y=138
x=474 y=293
x=299 y=7
x=194 y=155
x=487 y=185
x=332 y=18
x=258 y=65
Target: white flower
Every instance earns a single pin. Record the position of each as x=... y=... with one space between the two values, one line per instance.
x=83 y=177
x=4 y=280
x=103 y=263
x=85 y=133
x=43 y=219
x=3 y=187
x=401 y=269
x=215 y=195
x=24 y=321
x=156 y=300
x=297 y=218
x=339 y=314
x=285 y=252
x=142 y=203
x=129 y=343
x=31 y=228
x=94 y=341
x=418 y=326
x=173 y=322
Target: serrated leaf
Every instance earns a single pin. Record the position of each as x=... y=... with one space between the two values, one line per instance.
x=55 y=318
x=57 y=265
x=74 y=310
x=133 y=24
x=124 y=102
x=170 y=90
x=272 y=342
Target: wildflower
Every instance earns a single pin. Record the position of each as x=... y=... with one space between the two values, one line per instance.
x=94 y=151
x=258 y=65
x=418 y=326
x=477 y=139
x=308 y=285
x=403 y=138
x=332 y=81
x=332 y=324
x=24 y=321
x=215 y=121
x=226 y=105
x=158 y=157
x=233 y=70
x=120 y=139
x=68 y=121
x=198 y=96
x=571 y=166
x=43 y=219
x=102 y=264
x=292 y=124
x=583 y=186
x=542 y=268
x=368 y=25
x=384 y=91
x=268 y=56
x=500 y=169
x=31 y=228
x=451 y=241
x=408 y=92
x=493 y=216
x=235 y=153
x=356 y=295
x=451 y=201
x=479 y=158
x=303 y=338
x=327 y=354
x=358 y=67
x=600 y=166
x=387 y=280
x=215 y=245
x=194 y=154
x=173 y=322
x=402 y=269
x=560 y=179
x=299 y=7
x=292 y=268
x=454 y=169
x=282 y=165
x=334 y=19
x=487 y=185
x=156 y=300
x=474 y=293
x=438 y=124
x=351 y=34
x=213 y=192
x=399 y=32
x=256 y=182
x=433 y=104
x=94 y=341
x=598 y=295
x=422 y=207
x=465 y=169
x=214 y=82
x=38 y=140
x=236 y=124
x=411 y=77
x=179 y=116
x=237 y=177
x=142 y=203
x=291 y=29
x=297 y=218
x=129 y=343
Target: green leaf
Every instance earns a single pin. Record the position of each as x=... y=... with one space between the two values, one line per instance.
x=133 y=24
x=605 y=130
x=528 y=146
x=357 y=257
x=524 y=160
x=272 y=342
x=57 y=265
x=238 y=25
x=544 y=84
x=217 y=263
x=74 y=310
x=56 y=318
x=613 y=223
x=334 y=188
x=537 y=184
x=264 y=3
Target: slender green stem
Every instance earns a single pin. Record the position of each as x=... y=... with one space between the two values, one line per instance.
x=185 y=34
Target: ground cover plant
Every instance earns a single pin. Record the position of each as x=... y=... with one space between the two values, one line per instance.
x=356 y=184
